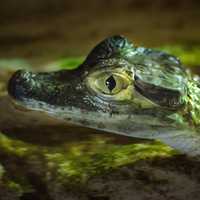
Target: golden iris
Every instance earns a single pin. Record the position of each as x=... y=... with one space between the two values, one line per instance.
x=110 y=84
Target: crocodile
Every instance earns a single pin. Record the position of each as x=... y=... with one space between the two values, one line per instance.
x=120 y=88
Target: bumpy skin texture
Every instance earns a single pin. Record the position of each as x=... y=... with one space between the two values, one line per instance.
x=156 y=79
x=166 y=78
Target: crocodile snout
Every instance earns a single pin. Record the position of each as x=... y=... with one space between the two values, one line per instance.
x=18 y=85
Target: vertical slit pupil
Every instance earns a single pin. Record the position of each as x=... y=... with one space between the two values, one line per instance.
x=110 y=83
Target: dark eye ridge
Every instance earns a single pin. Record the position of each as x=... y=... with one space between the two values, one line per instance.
x=110 y=83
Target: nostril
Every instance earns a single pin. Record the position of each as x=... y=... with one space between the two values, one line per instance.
x=16 y=83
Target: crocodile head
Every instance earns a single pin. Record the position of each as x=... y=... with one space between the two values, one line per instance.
x=119 y=88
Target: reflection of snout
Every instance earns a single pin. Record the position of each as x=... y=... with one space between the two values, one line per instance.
x=19 y=84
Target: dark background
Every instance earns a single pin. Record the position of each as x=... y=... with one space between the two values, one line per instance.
x=41 y=30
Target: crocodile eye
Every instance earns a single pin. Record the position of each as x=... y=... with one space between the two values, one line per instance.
x=110 y=84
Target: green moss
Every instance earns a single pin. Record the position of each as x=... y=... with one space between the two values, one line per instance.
x=15 y=185
x=79 y=161
x=15 y=188
x=82 y=161
x=15 y=147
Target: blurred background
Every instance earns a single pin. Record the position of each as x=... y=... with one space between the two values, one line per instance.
x=44 y=30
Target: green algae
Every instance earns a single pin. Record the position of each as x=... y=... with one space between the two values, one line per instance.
x=11 y=185
x=15 y=188
x=81 y=167
x=77 y=162
x=15 y=147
